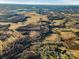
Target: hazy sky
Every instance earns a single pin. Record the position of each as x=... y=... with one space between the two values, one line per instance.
x=53 y=2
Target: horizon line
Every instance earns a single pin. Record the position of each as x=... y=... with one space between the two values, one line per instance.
x=39 y=3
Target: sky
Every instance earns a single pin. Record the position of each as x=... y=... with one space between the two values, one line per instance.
x=49 y=2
